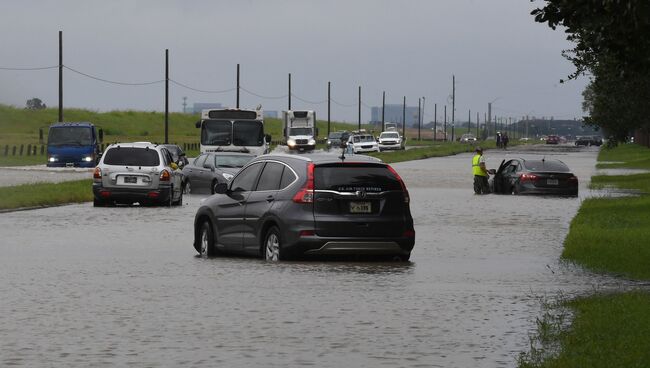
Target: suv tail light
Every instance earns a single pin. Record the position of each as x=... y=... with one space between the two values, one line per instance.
x=572 y=179
x=527 y=177
x=164 y=175
x=407 y=199
x=98 y=173
x=306 y=193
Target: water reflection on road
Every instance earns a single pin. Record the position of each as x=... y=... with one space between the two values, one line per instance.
x=122 y=286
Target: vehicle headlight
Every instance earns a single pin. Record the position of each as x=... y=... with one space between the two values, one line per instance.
x=228 y=176
x=329 y=142
x=291 y=142
x=312 y=142
x=53 y=159
x=88 y=158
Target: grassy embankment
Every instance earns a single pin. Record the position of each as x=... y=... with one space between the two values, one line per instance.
x=45 y=194
x=608 y=235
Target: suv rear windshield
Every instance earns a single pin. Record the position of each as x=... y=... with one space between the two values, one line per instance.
x=354 y=177
x=131 y=156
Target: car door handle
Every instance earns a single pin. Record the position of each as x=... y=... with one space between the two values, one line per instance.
x=270 y=198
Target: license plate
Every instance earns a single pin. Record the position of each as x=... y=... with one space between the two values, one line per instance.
x=130 y=179
x=551 y=181
x=69 y=164
x=360 y=207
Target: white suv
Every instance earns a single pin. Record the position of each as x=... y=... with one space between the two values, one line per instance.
x=359 y=143
x=137 y=172
x=390 y=140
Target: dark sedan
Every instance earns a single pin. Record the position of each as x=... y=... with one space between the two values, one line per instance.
x=281 y=206
x=211 y=168
x=545 y=176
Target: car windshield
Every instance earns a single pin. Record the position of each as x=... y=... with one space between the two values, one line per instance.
x=389 y=135
x=216 y=133
x=232 y=161
x=354 y=177
x=336 y=135
x=300 y=131
x=131 y=156
x=546 y=165
x=70 y=136
x=363 y=138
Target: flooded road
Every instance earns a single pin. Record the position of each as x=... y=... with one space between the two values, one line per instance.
x=83 y=286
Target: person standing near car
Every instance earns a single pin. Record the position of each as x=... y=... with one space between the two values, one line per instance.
x=480 y=172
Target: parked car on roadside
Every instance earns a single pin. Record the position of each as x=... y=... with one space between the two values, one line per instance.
x=467 y=138
x=281 y=206
x=361 y=143
x=545 y=176
x=552 y=139
x=178 y=155
x=211 y=168
x=140 y=172
x=390 y=140
x=589 y=140
x=335 y=139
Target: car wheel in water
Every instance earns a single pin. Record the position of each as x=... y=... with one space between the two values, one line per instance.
x=206 y=239
x=272 y=245
x=98 y=203
x=187 y=187
x=212 y=186
x=179 y=202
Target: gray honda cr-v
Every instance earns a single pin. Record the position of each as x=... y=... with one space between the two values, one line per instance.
x=284 y=206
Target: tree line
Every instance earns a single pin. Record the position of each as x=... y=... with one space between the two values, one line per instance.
x=612 y=48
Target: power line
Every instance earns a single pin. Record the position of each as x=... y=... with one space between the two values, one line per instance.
x=110 y=81
x=35 y=68
x=308 y=101
x=200 y=90
x=342 y=104
x=261 y=96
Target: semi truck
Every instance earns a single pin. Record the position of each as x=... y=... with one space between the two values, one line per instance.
x=300 y=131
x=73 y=145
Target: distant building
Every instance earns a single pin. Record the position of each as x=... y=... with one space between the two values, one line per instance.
x=394 y=114
x=271 y=114
x=199 y=106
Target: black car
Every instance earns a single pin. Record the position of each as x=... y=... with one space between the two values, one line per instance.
x=589 y=140
x=545 y=176
x=283 y=206
x=211 y=168
x=335 y=139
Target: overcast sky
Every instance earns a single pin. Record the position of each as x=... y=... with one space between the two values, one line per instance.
x=404 y=47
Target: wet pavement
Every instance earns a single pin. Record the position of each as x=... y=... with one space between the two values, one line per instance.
x=84 y=286
x=18 y=175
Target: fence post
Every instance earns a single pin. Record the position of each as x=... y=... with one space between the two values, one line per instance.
x=34 y=150
x=42 y=149
x=6 y=150
x=29 y=149
x=14 y=151
x=22 y=149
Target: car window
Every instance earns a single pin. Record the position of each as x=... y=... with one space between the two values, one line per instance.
x=209 y=162
x=245 y=180
x=132 y=156
x=353 y=177
x=167 y=157
x=271 y=176
x=199 y=160
x=288 y=177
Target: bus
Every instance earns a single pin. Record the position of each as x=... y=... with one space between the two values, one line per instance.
x=233 y=130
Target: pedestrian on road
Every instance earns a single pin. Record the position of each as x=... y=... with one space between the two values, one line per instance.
x=480 y=172
x=504 y=141
x=498 y=140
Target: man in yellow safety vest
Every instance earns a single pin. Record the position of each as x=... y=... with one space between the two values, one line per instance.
x=480 y=172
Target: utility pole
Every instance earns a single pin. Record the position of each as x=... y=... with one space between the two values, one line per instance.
x=469 y=121
x=435 y=121
x=166 y=96
x=478 y=124
x=329 y=100
x=383 y=110
x=359 y=108
x=404 y=118
x=489 y=120
x=60 y=76
x=453 y=104
x=423 y=101
x=289 y=91
x=237 y=85
x=445 y=126
x=419 y=116
x=184 y=104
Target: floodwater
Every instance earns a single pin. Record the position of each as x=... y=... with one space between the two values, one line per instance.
x=83 y=286
x=41 y=174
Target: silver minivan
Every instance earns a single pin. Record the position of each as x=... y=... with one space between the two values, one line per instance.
x=139 y=172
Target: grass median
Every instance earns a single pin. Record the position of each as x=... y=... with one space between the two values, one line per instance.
x=45 y=194
x=608 y=235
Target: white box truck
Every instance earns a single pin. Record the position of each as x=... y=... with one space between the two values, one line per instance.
x=300 y=131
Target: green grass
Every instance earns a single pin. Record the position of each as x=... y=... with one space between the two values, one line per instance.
x=636 y=182
x=437 y=150
x=608 y=331
x=624 y=156
x=43 y=194
x=21 y=160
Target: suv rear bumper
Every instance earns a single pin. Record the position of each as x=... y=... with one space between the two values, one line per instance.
x=160 y=194
x=315 y=245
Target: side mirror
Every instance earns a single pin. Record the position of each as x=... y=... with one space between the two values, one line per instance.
x=198 y=124
x=221 y=188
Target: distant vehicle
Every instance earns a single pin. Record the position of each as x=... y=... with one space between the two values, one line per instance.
x=390 y=126
x=300 y=131
x=212 y=168
x=177 y=154
x=73 y=145
x=588 y=140
x=545 y=176
x=524 y=139
x=391 y=140
x=552 y=139
x=283 y=206
x=137 y=172
x=234 y=130
x=467 y=138
x=335 y=139
x=361 y=143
